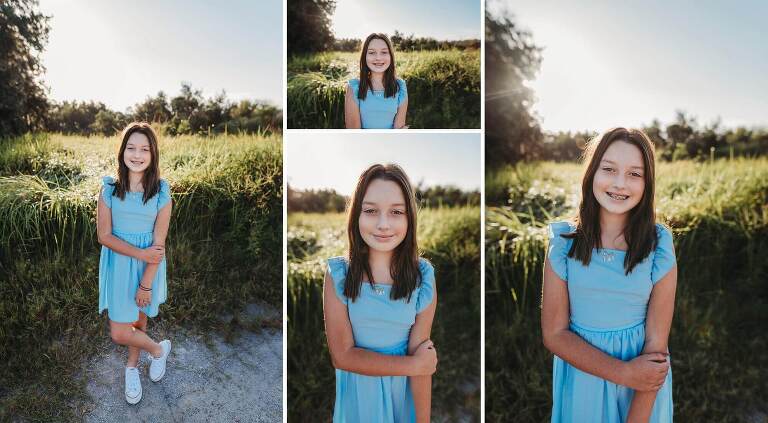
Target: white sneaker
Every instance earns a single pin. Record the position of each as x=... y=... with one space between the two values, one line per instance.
x=157 y=366
x=132 y=385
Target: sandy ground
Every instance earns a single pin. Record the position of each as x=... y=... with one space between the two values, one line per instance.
x=207 y=380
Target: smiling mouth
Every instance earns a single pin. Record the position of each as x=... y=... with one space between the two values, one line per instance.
x=383 y=237
x=617 y=196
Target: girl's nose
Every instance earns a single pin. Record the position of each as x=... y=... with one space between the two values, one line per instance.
x=383 y=222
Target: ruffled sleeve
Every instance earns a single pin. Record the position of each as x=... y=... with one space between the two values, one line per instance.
x=107 y=190
x=664 y=255
x=557 y=250
x=354 y=84
x=402 y=93
x=426 y=289
x=164 y=196
x=337 y=268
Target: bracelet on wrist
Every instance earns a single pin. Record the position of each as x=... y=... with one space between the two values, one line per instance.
x=144 y=288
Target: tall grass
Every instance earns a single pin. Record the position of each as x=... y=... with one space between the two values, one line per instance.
x=450 y=239
x=719 y=216
x=223 y=251
x=443 y=88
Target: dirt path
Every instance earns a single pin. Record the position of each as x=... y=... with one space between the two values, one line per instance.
x=205 y=381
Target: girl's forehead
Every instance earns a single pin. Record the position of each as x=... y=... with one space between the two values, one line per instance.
x=381 y=191
x=138 y=139
x=624 y=153
x=377 y=44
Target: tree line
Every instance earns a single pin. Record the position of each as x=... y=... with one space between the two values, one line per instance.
x=682 y=139
x=330 y=201
x=186 y=113
x=402 y=42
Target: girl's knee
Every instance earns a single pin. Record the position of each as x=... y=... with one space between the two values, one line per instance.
x=120 y=335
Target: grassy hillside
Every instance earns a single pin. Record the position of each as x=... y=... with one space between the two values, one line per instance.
x=443 y=88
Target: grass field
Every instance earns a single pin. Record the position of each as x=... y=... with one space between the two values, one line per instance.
x=224 y=251
x=443 y=88
x=450 y=239
x=718 y=212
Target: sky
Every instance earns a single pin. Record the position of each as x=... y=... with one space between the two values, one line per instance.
x=335 y=160
x=120 y=52
x=439 y=19
x=608 y=63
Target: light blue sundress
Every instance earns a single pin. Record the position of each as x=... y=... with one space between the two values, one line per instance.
x=377 y=111
x=382 y=325
x=608 y=310
x=133 y=221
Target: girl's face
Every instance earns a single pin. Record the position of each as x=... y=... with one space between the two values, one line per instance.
x=137 y=155
x=377 y=56
x=383 y=221
x=619 y=182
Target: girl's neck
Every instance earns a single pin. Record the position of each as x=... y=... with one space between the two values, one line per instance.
x=377 y=80
x=135 y=181
x=380 y=262
x=612 y=229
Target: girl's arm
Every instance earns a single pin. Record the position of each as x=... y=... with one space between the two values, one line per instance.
x=421 y=386
x=159 y=233
x=152 y=254
x=400 y=116
x=345 y=356
x=351 y=110
x=643 y=373
x=657 y=325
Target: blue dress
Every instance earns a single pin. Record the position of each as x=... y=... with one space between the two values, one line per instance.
x=382 y=325
x=377 y=111
x=119 y=275
x=608 y=311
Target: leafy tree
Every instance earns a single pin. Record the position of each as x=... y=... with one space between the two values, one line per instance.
x=309 y=25
x=23 y=35
x=512 y=132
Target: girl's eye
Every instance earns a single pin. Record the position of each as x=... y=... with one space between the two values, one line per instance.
x=636 y=174
x=608 y=169
x=369 y=211
x=398 y=212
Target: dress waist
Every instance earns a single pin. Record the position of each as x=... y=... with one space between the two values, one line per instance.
x=584 y=328
x=399 y=349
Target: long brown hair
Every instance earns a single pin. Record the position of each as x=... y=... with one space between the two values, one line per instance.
x=640 y=231
x=404 y=267
x=390 y=79
x=151 y=178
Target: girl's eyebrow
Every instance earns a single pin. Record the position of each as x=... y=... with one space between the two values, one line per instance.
x=376 y=204
x=613 y=163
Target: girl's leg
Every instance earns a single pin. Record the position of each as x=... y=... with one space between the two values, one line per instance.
x=126 y=334
x=133 y=352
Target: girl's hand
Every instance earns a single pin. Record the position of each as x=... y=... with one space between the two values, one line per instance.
x=646 y=372
x=426 y=358
x=153 y=254
x=143 y=298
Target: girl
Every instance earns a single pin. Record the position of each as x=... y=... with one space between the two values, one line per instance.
x=132 y=221
x=609 y=291
x=379 y=303
x=378 y=99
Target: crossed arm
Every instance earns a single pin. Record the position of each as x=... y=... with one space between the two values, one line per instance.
x=419 y=364
x=645 y=374
x=152 y=255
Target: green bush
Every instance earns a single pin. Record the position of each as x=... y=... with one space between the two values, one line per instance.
x=450 y=239
x=224 y=250
x=443 y=88
x=719 y=218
